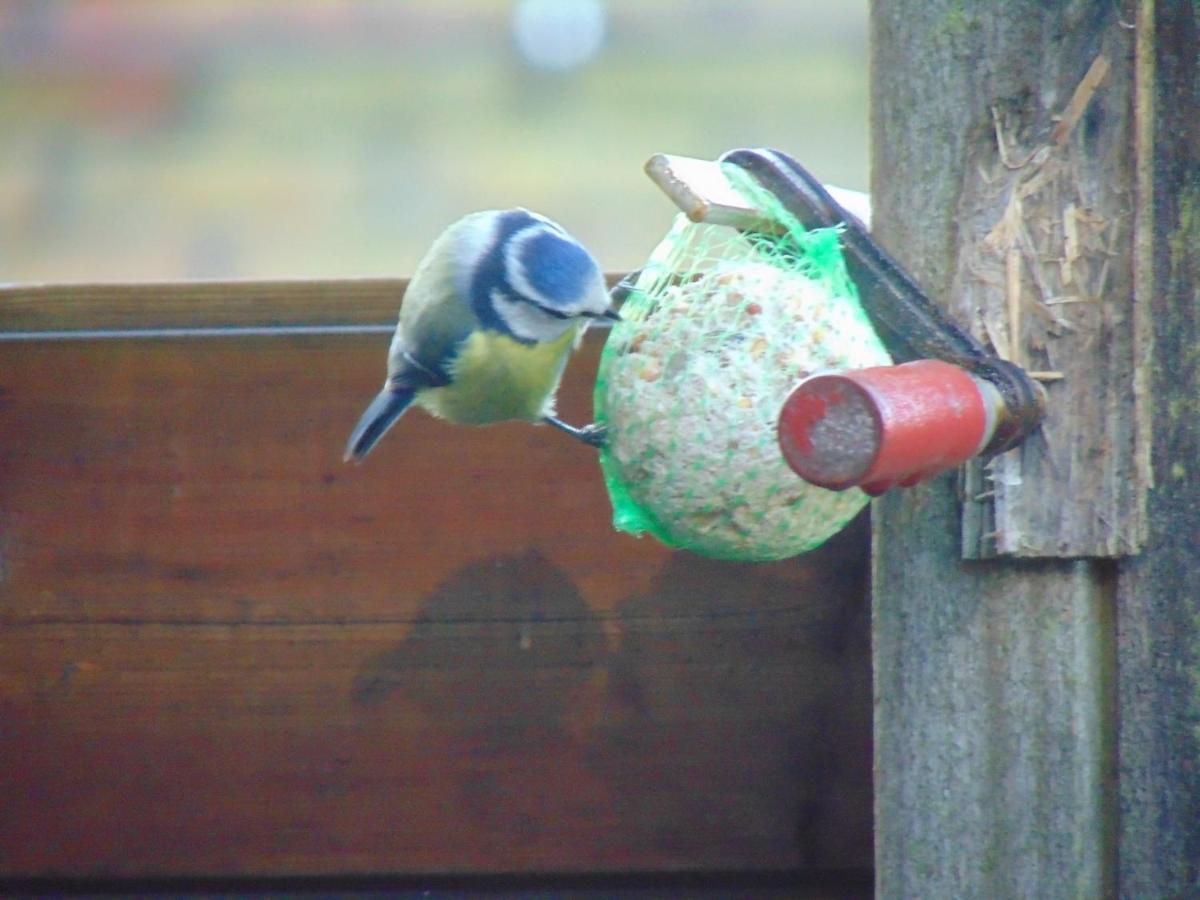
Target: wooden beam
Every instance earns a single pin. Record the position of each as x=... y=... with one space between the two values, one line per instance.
x=1038 y=721
x=995 y=747
x=350 y=305
x=200 y=305
x=1158 y=602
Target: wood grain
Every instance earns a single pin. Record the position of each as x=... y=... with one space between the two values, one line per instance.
x=223 y=652
x=1038 y=721
x=995 y=728
x=1043 y=271
x=63 y=309
x=200 y=304
x=1158 y=605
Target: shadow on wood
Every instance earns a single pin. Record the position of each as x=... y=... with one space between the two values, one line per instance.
x=226 y=653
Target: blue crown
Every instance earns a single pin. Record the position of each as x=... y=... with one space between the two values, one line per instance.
x=556 y=267
x=552 y=264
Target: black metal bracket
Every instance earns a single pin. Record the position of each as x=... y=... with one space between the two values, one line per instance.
x=910 y=325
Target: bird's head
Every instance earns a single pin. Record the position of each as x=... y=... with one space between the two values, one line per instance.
x=527 y=278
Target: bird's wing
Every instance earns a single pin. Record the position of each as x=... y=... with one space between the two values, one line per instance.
x=435 y=320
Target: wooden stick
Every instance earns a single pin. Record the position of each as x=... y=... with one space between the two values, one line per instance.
x=1095 y=76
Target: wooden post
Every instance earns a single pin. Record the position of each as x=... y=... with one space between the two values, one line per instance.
x=1037 y=638
x=1158 y=592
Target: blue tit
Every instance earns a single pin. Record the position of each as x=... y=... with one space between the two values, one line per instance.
x=487 y=324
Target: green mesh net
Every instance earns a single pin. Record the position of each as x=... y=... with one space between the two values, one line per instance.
x=719 y=327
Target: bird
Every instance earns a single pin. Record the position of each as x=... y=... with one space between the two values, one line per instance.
x=487 y=324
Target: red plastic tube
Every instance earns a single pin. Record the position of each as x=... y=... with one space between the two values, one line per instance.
x=875 y=428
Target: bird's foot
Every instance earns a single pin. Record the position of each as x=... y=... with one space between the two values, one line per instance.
x=593 y=435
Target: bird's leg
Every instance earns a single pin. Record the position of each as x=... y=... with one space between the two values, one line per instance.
x=593 y=435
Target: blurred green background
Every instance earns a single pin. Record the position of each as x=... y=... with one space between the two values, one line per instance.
x=253 y=139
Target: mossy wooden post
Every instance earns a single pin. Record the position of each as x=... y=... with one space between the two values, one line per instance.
x=1036 y=633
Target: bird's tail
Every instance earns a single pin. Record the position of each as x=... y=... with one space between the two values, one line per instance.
x=388 y=406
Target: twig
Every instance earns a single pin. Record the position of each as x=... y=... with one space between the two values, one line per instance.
x=1084 y=92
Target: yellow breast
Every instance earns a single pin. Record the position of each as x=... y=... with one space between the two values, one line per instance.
x=495 y=378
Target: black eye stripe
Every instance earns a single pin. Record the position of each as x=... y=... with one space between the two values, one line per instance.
x=512 y=295
x=550 y=311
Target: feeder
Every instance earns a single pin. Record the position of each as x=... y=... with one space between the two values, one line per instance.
x=748 y=296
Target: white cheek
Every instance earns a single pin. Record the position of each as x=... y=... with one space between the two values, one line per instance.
x=597 y=301
x=527 y=322
x=475 y=237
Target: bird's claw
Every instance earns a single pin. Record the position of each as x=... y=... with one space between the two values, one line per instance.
x=594 y=435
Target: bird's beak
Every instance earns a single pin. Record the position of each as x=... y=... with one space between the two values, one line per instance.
x=611 y=314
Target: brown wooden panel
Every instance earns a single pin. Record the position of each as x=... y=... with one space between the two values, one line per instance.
x=203 y=304
x=222 y=651
x=200 y=304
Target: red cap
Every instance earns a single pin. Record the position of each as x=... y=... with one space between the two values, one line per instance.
x=875 y=428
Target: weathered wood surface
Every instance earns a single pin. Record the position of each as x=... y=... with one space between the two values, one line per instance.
x=71 y=309
x=1036 y=720
x=222 y=651
x=994 y=725
x=1158 y=598
x=1044 y=274
x=1038 y=164
x=200 y=304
